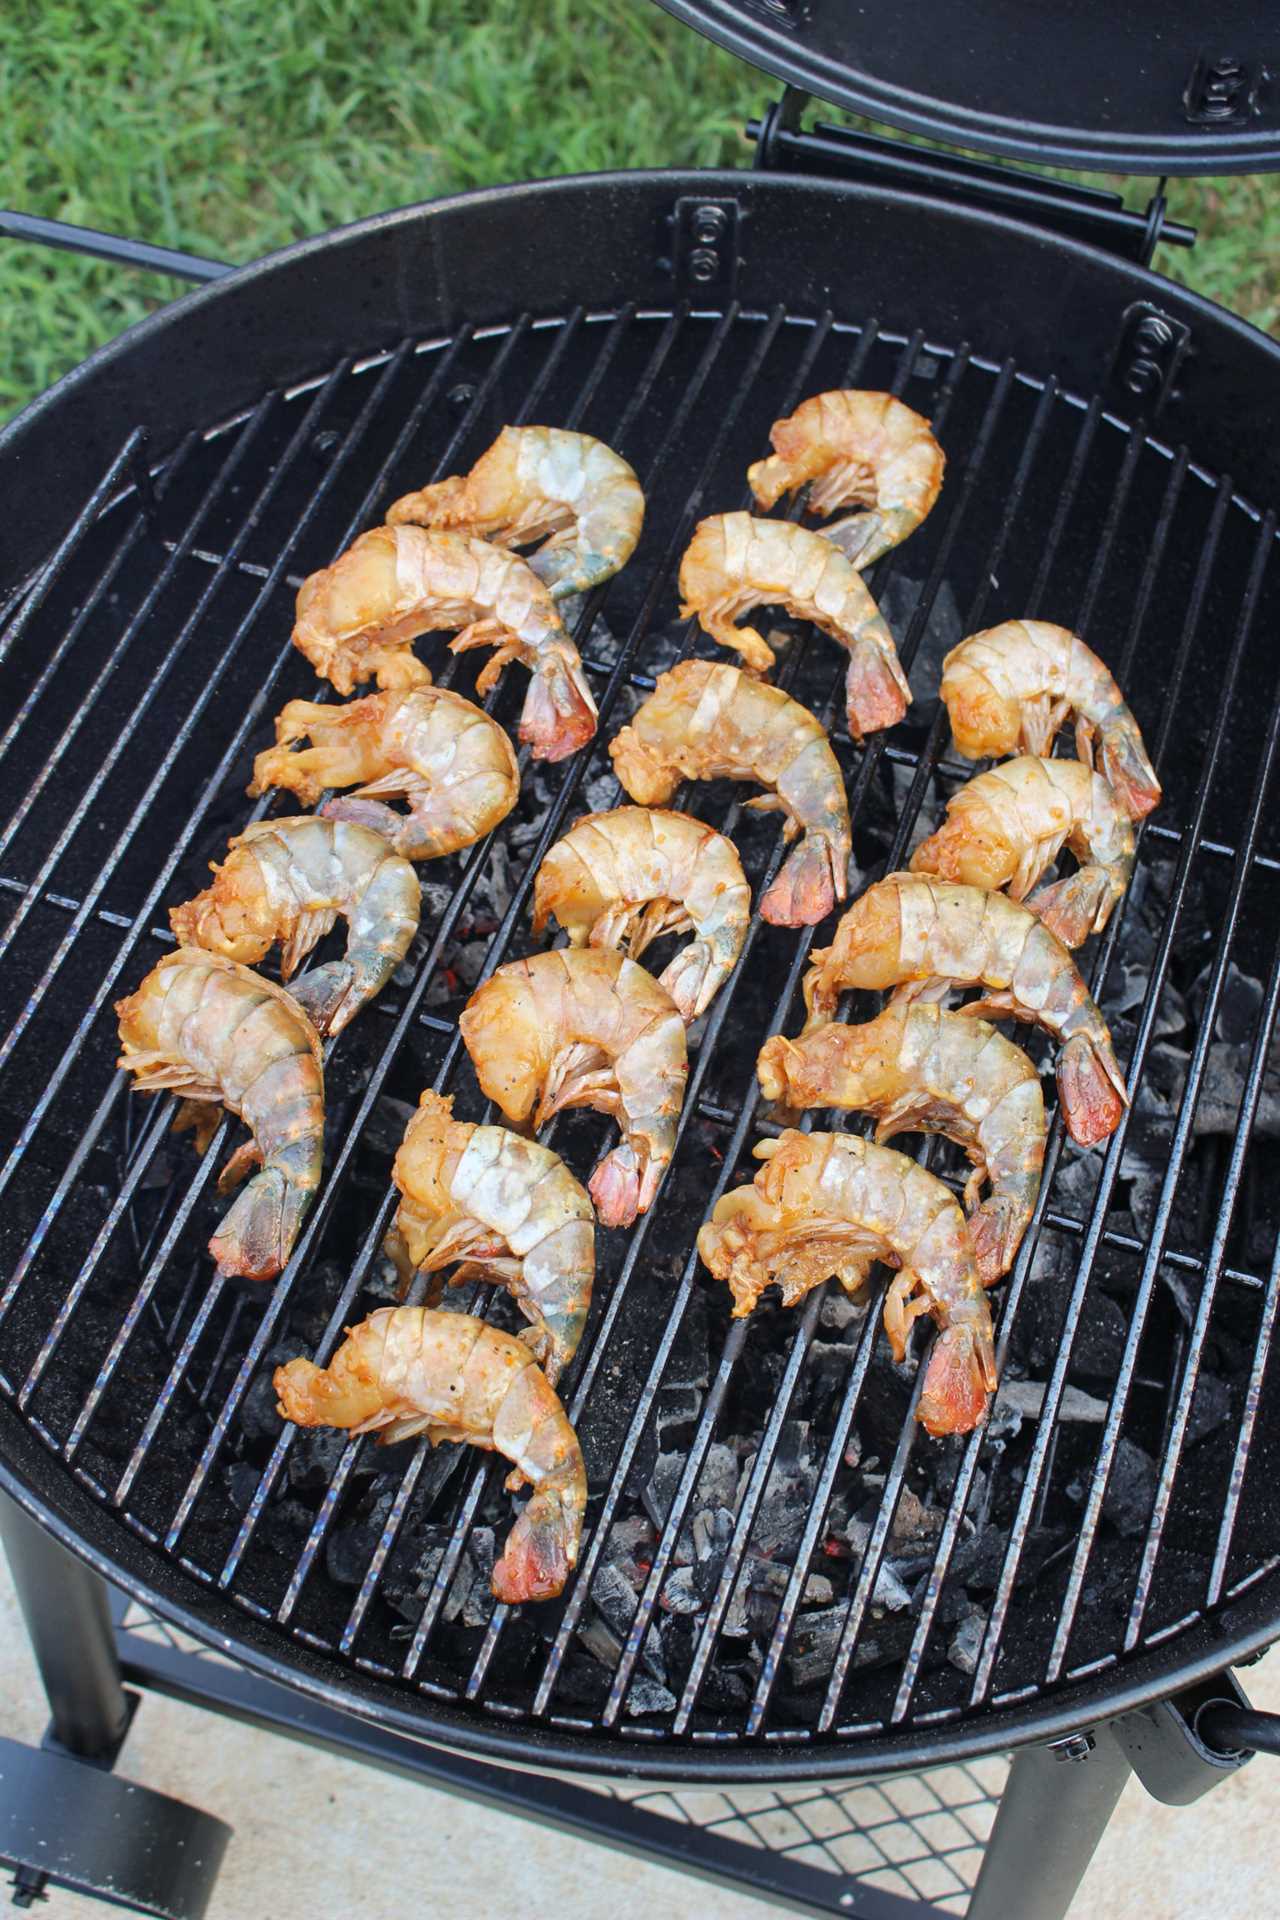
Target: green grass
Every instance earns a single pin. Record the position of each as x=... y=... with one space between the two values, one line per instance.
x=234 y=127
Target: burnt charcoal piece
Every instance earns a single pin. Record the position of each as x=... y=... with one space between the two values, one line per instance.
x=481 y=1552
x=676 y=1416
x=1130 y=1493
x=1210 y=1407
x=680 y=1592
x=649 y=1696
x=788 y=1493
x=1020 y=1400
x=816 y=1638
x=242 y=1483
x=258 y=1417
x=314 y=1457
x=966 y=1641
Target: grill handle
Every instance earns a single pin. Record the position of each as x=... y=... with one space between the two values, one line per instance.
x=1228 y=1728
x=110 y=246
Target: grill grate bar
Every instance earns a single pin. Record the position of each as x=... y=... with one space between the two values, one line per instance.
x=128 y=459
x=1248 y=1107
x=1253 y=1392
x=1039 y=1461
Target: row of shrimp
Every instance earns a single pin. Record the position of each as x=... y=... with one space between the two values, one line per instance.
x=432 y=774
x=827 y=1205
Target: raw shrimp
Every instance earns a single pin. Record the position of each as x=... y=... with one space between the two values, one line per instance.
x=215 y=1033
x=919 y=1069
x=1003 y=828
x=927 y=935
x=708 y=722
x=735 y=562
x=1012 y=687
x=359 y=617
x=453 y=765
x=829 y=1204
x=506 y=1207
x=535 y=481
x=289 y=880
x=621 y=879
x=583 y=1027
x=407 y=1371
x=866 y=448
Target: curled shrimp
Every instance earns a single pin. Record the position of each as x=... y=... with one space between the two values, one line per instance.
x=1004 y=827
x=735 y=562
x=358 y=619
x=709 y=722
x=535 y=481
x=624 y=878
x=865 y=448
x=829 y=1205
x=451 y=763
x=215 y=1033
x=1012 y=687
x=407 y=1370
x=919 y=1069
x=584 y=1027
x=926 y=936
x=288 y=880
x=509 y=1209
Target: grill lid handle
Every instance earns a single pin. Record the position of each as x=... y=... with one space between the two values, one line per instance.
x=111 y=246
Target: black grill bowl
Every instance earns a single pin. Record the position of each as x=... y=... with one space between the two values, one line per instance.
x=147 y=650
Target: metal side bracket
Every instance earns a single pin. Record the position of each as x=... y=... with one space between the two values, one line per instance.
x=1166 y=1750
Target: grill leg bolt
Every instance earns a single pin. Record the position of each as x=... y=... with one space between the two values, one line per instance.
x=1078 y=1747
x=28 y=1887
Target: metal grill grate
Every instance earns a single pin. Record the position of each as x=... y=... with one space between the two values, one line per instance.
x=146 y=663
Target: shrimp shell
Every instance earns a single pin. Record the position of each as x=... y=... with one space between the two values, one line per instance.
x=535 y=481
x=735 y=562
x=864 y=448
x=830 y=1204
x=359 y=617
x=1012 y=686
x=927 y=935
x=919 y=1069
x=288 y=880
x=707 y=722
x=508 y=1208
x=1004 y=827
x=583 y=1027
x=407 y=1371
x=451 y=763
x=213 y=1032
x=622 y=879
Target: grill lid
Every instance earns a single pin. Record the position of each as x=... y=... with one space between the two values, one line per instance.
x=1089 y=84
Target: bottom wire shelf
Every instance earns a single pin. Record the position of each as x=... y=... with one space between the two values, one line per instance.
x=897 y=1849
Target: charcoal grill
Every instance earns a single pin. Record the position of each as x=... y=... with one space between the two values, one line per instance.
x=854 y=1600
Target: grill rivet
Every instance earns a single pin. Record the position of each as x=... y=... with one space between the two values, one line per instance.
x=460 y=397
x=1143 y=376
x=324 y=443
x=1153 y=335
x=708 y=225
x=704 y=263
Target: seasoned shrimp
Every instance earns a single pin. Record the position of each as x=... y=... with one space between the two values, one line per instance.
x=918 y=1069
x=735 y=562
x=708 y=722
x=621 y=879
x=451 y=763
x=867 y=448
x=1012 y=687
x=926 y=936
x=583 y=1027
x=215 y=1033
x=535 y=481
x=288 y=880
x=509 y=1209
x=829 y=1204
x=406 y=1371
x=1003 y=828
x=359 y=617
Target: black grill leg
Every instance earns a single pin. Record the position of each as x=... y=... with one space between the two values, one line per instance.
x=67 y=1618
x=1052 y=1815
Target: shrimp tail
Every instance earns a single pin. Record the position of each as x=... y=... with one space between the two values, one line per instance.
x=961 y=1374
x=256 y=1234
x=329 y=995
x=1075 y=907
x=690 y=980
x=1126 y=767
x=621 y=1188
x=1091 y=1088
x=536 y=1560
x=374 y=814
x=876 y=691
x=996 y=1229
x=559 y=713
x=807 y=886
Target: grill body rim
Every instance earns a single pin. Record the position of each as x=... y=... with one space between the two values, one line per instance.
x=109 y=384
